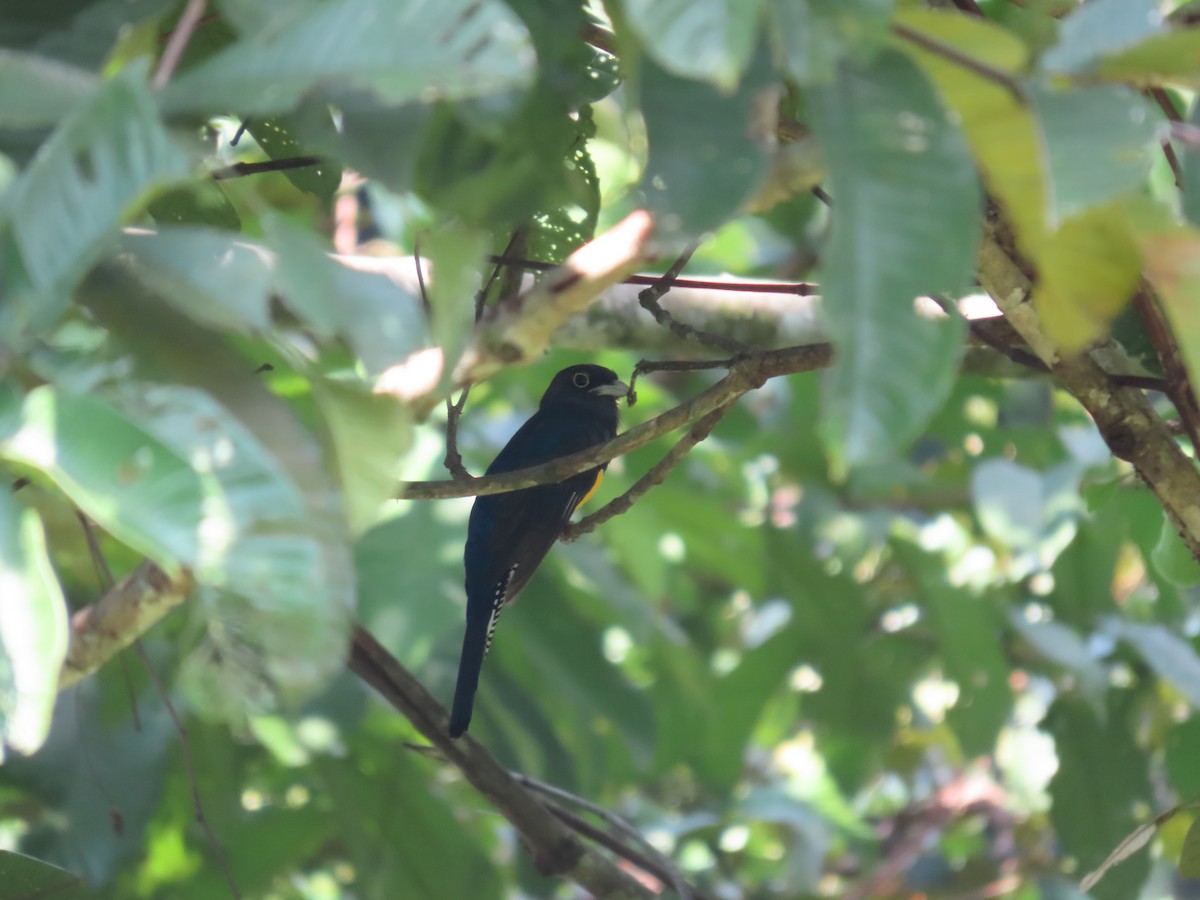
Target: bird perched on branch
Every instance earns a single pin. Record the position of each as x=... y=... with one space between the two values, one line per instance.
x=510 y=534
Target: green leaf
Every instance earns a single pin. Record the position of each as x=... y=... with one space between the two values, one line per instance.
x=1172 y=657
x=1031 y=512
x=1164 y=57
x=1101 y=779
x=172 y=474
x=33 y=629
x=1189 y=158
x=1170 y=253
x=1100 y=143
x=405 y=841
x=455 y=254
x=24 y=876
x=382 y=322
x=967 y=626
x=209 y=275
x=1100 y=28
x=198 y=203
x=1181 y=748
x=707 y=40
x=1088 y=268
x=279 y=138
x=707 y=158
x=38 y=91
x=1189 y=856
x=422 y=50
x=811 y=35
x=370 y=433
x=100 y=162
x=1002 y=131
x=905 y=223
x=1060 y=644
x=1172 y=558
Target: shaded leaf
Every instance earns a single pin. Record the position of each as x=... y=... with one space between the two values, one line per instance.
x=35 y=90
x=24 y=876
x=905 y=224
x=418 y=50
x=278 y=138
x=1172 y=657
x=708 y=40
x=708 y=149
x=809 y=36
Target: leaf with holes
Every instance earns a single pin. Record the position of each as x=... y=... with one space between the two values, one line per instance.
x=105 y=157
x=417 y=50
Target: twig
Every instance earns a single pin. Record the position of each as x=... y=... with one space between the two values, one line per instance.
x=969 y=6
x=1159 y=96
x=656 y=476
x=659 y=864
x=649 y=301
x=178 y=43
x=240 y=170
x=556 y=849
x=745 y=374
x=799 y=288
x=960 y=59
x=1178 y=385
x=105 y=577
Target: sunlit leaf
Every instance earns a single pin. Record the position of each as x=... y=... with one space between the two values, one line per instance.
x=1100 y=28
x=33 y=629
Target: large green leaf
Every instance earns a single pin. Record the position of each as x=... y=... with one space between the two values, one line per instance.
x=103 y=158
x=401 y=51
x=905 y=223
x=24 y=876
x=1101 y=779
x=809 y=36
x=1100 y=28
x=1100 y=143
x=211 y=276
x=1172 y=657
x=172 y=474
x=1000 y=128
x=33 y=629
x=706 y=160
x=281 y=137
x=1168 y=57
x=38 y=91
x=381 y=321
x=709 y=40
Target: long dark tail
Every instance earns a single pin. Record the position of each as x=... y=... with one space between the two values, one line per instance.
x=473 y=648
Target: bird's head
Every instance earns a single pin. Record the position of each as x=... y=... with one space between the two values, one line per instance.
x=584 y=384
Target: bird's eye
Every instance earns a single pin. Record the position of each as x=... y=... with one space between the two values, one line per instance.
x=581 y=380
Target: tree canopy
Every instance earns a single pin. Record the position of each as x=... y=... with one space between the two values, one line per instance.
x=890 y=590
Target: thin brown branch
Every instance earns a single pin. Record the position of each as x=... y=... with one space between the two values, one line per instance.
x=1178 y=385
x=178 y=42
x=648 y=299
x=555 y=848
x=744 y=375
x=960 y=59
x=1159 y=96
x=656 y=476
x=799 y=288
x=241 y=170
x=970 y=7
x=652 y=861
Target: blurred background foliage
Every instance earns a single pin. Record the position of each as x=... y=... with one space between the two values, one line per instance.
x=898 y=629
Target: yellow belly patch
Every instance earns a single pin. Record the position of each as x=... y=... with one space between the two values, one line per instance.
x=595 y=487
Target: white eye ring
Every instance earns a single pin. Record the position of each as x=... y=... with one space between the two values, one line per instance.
x=580 y=380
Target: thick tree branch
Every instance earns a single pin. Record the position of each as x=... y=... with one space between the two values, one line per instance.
x=743 y=375
x=1124 y=416
x=555 y=848
x=102 y=630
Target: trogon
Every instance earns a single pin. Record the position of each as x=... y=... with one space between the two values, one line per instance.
x=509 y=535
